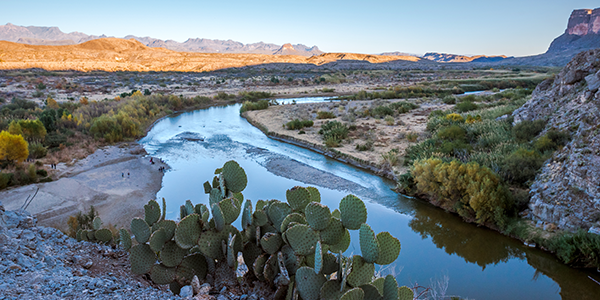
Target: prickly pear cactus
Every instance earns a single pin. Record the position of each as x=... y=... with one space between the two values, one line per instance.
x=296 y=246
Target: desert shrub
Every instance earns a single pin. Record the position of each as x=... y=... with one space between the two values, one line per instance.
x=473 y=191
x=254 y=95
x=455 y=147
x=521 y=166
x=298 y=124
x=403 y=106
x=455 y=118
x=470 y=119
x=389 y=120
x=382 y=110
x=452 y=133
x=54 y=140
x=259 y=105
x=334 y=131
x=224 y=96
x=449 y=99
x=368 y=146
x=390 y=157
x=332 y=142
x=325 y=115
x=5 y=179
x=412 y=136
x=41 y=173
x=465 y=106
x=580 y=249
x=37 y=150
x=436 y=113
x=544 y=143
x=527 y=130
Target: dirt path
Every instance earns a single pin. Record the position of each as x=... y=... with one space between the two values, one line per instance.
x=115 y=181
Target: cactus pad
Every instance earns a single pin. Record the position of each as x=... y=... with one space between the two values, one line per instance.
x=331 y=290
x=171 y=254
x=291 y=261
x=193 y=264
x=188 y=231
x=318 y=258
x=271 y=269
x=354 y=294
x=210 y=244
x=161 y=274
x=343 y=244
x=235 y=177
x=302 y=239
x=214 y=197
x=330 y=264
x=389 y=248
x=189 y=207
x=103 y=235
x=362 y=272
x=404 y=293
x=141 y=230
x=151 y=212
x=142 y=259
x=315 y=196
x=207 y=187
x=371 y=292
x=247 y=214
x=309 y=283
x=353 y=212
x=96 y=223
x=231 y=253
x=369 y=247
x=293 y=217
x=259 y=266
x=318 y=215
x=124 y=239
x=230 y=209
x=251 y=253
x=91 y=235
x=218 y=217
x=298 y=197
x=78 y=235
x=157 y=240
x=277 y=213
x=336 y=214
x=334 y=232
x=259 y=218
x=271 y=242
x=378 y=283
x=169 y=226
x=390 y=288
x=238 y=245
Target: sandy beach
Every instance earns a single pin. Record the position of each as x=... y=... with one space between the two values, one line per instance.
x=117 y=180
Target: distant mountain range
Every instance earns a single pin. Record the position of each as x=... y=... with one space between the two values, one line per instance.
x=37 y=35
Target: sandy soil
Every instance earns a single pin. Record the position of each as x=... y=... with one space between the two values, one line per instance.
x=385 y=137
x=115 y=181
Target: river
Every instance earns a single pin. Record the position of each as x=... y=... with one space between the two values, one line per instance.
x=478 y=263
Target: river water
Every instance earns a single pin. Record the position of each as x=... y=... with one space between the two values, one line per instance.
x=478 y=263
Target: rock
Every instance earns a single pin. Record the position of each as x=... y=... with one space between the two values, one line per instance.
x=594 y=230
x=573 y=76
x=88 y=264
x=186 y=292
x=593 y=82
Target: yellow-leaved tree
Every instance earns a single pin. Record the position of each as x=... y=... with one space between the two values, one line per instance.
x=13 y=147
x=51 y=103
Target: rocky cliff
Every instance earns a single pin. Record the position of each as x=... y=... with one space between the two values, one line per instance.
x=582 y=33
x=445 y=57
x=567 y=190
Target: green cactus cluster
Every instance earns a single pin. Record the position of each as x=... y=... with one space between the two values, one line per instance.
x=95 y=234
x=295 y=246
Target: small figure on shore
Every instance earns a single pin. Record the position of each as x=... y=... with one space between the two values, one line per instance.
x=151 y=161
x=123 y=174
x=127 y=174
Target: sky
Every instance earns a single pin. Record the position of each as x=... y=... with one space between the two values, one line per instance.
x=510 y=27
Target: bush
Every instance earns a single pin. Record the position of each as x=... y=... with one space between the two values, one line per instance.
x=466 y=106
x=473 y=191
x=389 y=120
x=403 y=106
x=248 y=105
x=365 y=147
x=334 y=132
x=37 y=150
x=580 y=249
x=5 y=180
x=298 y=124
x=455 y=118
x=527 y=130
x=42 y=173
x=449 y=99
x=325 y=115
x=521 y=166
x=381 y=110
x=452 y=133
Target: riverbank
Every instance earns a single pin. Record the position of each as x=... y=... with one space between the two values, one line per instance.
x=385 y=138
x=116 y=180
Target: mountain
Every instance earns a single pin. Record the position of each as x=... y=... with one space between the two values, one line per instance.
x=582 y=33
x=445 y=57
x=36 y=35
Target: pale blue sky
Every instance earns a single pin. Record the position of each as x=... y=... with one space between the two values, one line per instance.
x=511 y=27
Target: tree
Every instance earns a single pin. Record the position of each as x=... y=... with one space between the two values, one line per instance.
x=13 y=147
x=15 y=128
x=51 y=103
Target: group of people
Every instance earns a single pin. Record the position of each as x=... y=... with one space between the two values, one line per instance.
x=162 y=169
x=53 y=166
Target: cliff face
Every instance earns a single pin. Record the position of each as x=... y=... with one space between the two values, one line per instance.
x=582 y=33
x=445 y=57
x=567 y=191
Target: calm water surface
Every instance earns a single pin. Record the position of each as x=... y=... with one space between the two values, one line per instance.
x=480 y=263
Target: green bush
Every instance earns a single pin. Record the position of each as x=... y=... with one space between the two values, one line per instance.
x=334 y=132
x=473 y=191
x=5 y=179
x=365 y=147
x=298 y=124
x=449 y=99
x=381 y=111
x=521 y=166
x=325 y=115
x=403 y=106
x=41 y=173
x=527 y=130
x=580 y=249
x=465 y=106
x=452 y=133
x=248 y=105
x=37 y=150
